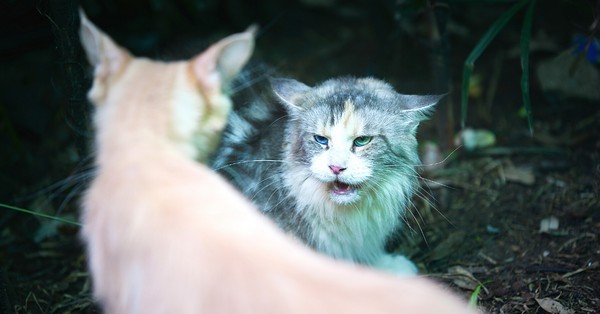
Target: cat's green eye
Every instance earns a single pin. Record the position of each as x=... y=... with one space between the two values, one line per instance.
x=362 y=141
x=321 y=139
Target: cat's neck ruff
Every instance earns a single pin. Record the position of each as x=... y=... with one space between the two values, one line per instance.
x=360 y=227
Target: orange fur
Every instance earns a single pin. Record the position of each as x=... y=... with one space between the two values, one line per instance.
x=167 y=235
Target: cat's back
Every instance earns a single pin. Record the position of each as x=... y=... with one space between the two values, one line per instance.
x=256 y=114
x=249 y=154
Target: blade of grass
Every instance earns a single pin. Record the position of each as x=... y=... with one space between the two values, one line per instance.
x=525 y=35
x=23 y=210
x=478 y=50
x=474 y=297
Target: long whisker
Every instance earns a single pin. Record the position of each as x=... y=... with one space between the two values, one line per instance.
x=59 y=186
x=240 y=162
x=417 y=221
x=420 y=194
x=277 y=120
x=264 y=187
x=443 y=160
x=415 y=174
x=409 y=204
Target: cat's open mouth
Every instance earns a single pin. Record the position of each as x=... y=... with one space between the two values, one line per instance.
x=341 y=188
x=343 y=193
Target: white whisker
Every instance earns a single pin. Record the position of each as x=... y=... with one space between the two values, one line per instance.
x=247 y=161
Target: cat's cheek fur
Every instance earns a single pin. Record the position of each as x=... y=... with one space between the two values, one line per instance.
x=357 y=172
x=308 y=189
x=319 y=167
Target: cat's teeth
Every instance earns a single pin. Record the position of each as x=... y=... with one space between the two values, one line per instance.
x=342 y=188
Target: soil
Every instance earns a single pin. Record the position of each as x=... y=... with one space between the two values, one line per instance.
x=518 y=221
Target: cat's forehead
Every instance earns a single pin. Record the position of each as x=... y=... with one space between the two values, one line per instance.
x=345 y=117
x=345 y=123
x=365 y=93
x=346 y=101
x=368 y=105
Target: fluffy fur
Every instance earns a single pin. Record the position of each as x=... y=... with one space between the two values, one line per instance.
x=332 y=164
x=165 y=234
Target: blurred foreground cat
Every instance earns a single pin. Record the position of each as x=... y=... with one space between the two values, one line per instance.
x=333 y=164
x=165 y=234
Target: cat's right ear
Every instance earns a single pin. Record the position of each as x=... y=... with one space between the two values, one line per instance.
x=222 y=61
x=289 y=91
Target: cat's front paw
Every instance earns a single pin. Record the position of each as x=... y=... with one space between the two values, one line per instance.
x=397 y=264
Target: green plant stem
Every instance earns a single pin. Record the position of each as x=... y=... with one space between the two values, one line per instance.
x=67 y=221
x=525 y=35
x=479 y=49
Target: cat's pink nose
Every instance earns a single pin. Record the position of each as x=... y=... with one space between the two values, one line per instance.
x=336 y=169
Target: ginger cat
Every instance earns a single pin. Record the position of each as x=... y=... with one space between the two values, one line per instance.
x=166 y=234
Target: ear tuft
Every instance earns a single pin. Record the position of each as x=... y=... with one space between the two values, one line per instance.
x=288 y=91
x=421 y=105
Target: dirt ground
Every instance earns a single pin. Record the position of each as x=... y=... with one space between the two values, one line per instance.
x=492 y=237
x=519 y=220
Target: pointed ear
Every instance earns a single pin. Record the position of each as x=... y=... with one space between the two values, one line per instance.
x=222 y=61
x=420 y=105
x=102 y=52
x=416 y=108
x=288 y=91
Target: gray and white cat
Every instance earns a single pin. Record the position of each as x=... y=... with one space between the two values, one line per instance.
x=334 y=164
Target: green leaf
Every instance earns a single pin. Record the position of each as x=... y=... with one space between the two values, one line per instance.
x=474 y=296
x=483 y=43
x=525 y=35
x=67 y=221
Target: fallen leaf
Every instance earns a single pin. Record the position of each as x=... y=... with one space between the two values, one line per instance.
x=553 y=306
x=463 y=278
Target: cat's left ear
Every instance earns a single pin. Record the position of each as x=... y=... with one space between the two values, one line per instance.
x=103 y=53
x=222 y=61
x=418 y=106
